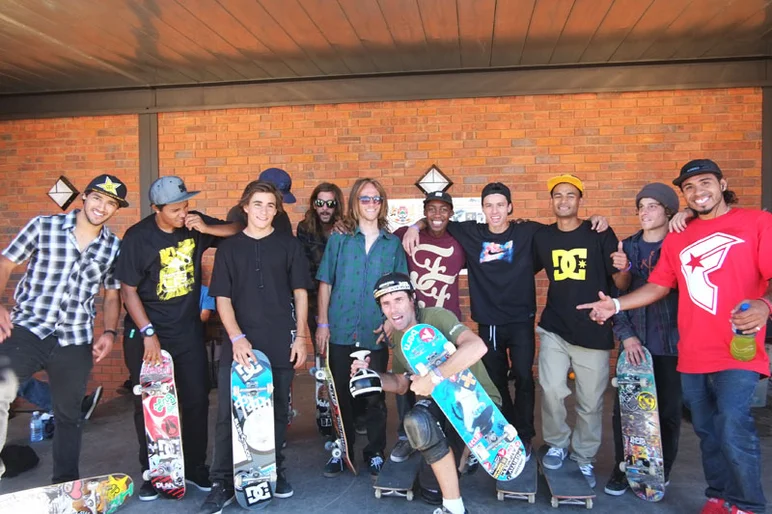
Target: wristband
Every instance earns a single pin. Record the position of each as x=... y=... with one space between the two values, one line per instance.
x=236 y=338
x=322 y=325
x=111 y=331
x=145 y=327
x=629 y=267
x=415 y=226
x=762 y=299
x=617 y=306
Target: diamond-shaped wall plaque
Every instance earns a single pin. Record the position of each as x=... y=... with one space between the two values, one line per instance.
x=63 y=193
x=433 y=180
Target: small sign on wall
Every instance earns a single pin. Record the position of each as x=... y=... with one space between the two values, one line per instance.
x=63 y=193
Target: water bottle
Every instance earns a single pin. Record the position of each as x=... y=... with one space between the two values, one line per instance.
x=35 y=428
x=743 y=346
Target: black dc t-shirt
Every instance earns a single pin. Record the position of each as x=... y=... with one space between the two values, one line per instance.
x=259 y=275
x=578 y=265
x=166 y=270
x=501 y=285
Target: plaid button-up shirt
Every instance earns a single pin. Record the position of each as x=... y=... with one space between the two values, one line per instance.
x=56 y=294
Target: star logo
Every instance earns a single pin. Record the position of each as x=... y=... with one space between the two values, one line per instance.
x=582 y=264
x=110 y=186
x=695 y=262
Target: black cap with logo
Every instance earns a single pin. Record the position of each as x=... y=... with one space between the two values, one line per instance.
x=698 y=167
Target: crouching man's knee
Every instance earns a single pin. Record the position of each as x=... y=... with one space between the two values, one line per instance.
x=425 y=434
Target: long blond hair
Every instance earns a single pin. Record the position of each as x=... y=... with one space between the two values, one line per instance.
x=352 y=209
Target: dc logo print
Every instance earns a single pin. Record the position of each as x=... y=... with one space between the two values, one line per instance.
x=698 y=261
x=258 y=493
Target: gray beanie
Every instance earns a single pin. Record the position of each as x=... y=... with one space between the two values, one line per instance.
x=660 y=192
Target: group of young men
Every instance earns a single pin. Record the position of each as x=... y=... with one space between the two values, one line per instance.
x=362 y=287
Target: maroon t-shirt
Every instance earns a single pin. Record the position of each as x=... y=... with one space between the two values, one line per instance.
x=434 y=268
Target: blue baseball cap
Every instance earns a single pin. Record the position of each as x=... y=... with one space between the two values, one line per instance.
x=281 y=179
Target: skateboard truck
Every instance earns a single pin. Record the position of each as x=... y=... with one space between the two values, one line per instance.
x=360 y=354
x=334 y=448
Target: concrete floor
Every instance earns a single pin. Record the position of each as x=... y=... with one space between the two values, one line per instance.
x=110 y=446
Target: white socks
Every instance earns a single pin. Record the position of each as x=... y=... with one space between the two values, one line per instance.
x=454 y=506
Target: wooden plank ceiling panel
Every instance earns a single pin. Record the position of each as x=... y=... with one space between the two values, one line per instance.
x=255 y=18
x=510 y=27
x=367 y=20
x=747 y=34
x=299 y=26
x=582 y=24
x=683 y=28
x=621 y=18
x=331 y=21
x=440 y=24
x=549 y=18
x=404 y=22
x=652 y=26
x=475 y=25
x=24 y=78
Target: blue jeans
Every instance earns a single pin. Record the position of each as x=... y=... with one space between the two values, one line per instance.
x=731 y=452
x=37 y=392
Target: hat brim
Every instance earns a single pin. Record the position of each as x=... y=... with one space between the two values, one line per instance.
x=288 y=197
x=121 y=202
x=426 y=201
x=678 y=181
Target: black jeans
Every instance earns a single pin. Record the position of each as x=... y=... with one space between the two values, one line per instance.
x=669 y=398
x=191 y=377
x=514 y=342
x=222 y=462
x=405 y=402
x=375 y=417
x=68 y=369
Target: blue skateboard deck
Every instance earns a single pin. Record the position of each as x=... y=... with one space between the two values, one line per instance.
x=482 y=427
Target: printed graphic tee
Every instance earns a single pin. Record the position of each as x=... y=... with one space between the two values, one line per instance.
x=166 y=270
x=578 y=265
x=716 y=264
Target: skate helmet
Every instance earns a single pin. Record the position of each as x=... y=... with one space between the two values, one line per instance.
x=390 y=283
x=365 y=382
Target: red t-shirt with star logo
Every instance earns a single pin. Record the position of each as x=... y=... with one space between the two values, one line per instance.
x=715 y=264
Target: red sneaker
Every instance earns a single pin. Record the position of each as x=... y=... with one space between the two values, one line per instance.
x=714 y=506
x=738 y=510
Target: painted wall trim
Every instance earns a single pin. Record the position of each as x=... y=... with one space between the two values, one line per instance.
x=148 y=158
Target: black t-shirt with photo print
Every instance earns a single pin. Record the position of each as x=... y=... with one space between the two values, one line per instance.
x=166 y=270
x=578 y=265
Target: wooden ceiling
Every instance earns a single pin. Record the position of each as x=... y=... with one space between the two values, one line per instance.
x=75 y=45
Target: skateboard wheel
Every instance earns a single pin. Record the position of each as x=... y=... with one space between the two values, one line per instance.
x=500 y=496
x=614 y=382
x=421 y=369
x=137 y=390
x=313 y=371
x=409 y=496
x=337 y=453
x=554 y=502
x=532 y=498
x=146 y=475
x=329 y=445
x=622 y=466
x=319 y=375
x=378 y=493
x=644 y=382
x=588 y=503
x=449 y=347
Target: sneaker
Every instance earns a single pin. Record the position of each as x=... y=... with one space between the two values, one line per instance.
x=554 y=458
x=715 y=506
x=443 y=510
x=334 y=467
x=617 y=484
x=220 y=497
x=589 y=474
x=147 y=492
x=528 y=449
x=374 y=464
x=89 y=403
x=199 y=477
x=401 y=451
x=125 y=388
x=283 y=488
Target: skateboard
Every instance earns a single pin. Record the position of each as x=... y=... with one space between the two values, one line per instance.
x=523 y=487
x=254 y=443
x=641 y=439
x=95 y=495
x=337 y=446
x=323 y=414
x=162 y=427
x=567 y=485
x=482 y=427
x=398 y=478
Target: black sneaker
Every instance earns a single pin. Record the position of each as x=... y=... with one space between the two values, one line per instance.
x=283 y=488
x=90 y=402
x=220 y=497
x=334 y=467
x=528 y=450
x=199 y=477
x=125 y=388
x=443 y=510
x=374 y=464
x=147 y=492
x=617 y=484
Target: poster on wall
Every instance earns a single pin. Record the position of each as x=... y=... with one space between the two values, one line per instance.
x=406 y=211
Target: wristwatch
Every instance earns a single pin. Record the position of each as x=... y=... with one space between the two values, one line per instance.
x=148 y=330
x=436 y=376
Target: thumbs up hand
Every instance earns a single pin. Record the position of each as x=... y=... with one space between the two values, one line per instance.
x=619 y=259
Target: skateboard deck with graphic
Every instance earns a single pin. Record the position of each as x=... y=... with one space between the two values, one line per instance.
x=482 y=427
x=166 y=465
x=338 y=445
x=522 y=487
x=322 y=398
x=95 y=495
x=641 y=440
x=567 y=484
x=398 y=478
x=252 y=424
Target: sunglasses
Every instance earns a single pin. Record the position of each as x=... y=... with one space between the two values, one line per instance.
x=329 y=203
x=368 y=199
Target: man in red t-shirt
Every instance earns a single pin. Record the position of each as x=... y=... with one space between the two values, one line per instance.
x=719 y=262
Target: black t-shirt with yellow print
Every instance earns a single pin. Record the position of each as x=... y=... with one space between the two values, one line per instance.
x=166 y=270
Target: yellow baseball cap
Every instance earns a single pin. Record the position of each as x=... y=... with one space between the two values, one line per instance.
x=567 y=178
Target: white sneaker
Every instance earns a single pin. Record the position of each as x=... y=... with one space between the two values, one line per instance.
x=554 y=458
x=589 y=474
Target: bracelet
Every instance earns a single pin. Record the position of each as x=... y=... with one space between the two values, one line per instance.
x=111 y=331
x=629 y=267
x=301 y=337
x=322 y=325
x=768 y=304
x=415 y=226
x=617 y=305
x=145 y=327
x=236 y=338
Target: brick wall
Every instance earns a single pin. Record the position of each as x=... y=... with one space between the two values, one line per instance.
x=615 y=142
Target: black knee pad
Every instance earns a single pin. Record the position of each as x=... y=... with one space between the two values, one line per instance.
x=424 y=432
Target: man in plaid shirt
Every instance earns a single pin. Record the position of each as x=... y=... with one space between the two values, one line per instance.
x=71 y=257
